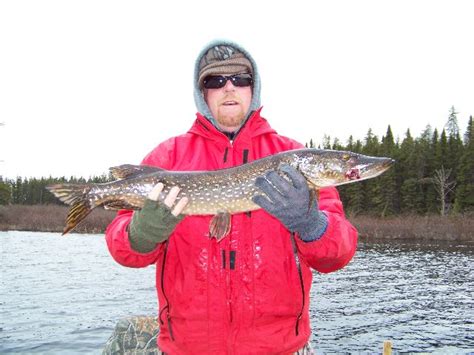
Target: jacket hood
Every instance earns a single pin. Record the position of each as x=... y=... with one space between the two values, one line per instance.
x=201 y=104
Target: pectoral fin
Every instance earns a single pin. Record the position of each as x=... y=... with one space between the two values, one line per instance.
x=119 y=205
x=220 y=226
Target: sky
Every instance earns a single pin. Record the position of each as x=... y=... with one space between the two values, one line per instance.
x=86 y=85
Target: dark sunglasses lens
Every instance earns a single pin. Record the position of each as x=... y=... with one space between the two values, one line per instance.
x=219 y=81
x=214 y=82
x=242 y=80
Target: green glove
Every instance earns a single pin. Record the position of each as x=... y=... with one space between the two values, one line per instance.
x=151 y=225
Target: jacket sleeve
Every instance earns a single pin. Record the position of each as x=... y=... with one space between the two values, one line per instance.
x=116 y=236
x=337 y=245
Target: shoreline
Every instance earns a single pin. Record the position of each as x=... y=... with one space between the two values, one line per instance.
x=50 y=218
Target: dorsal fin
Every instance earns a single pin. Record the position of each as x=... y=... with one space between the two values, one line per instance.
x=127 y=171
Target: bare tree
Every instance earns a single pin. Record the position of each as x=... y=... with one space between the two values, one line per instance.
x=443 y=187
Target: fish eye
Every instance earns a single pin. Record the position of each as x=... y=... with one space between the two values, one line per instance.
x=346 y=156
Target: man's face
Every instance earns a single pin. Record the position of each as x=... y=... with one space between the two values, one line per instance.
x=229 y=105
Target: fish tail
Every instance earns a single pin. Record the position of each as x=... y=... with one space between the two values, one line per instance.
x=76 y=196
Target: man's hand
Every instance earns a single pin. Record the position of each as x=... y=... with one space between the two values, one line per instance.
x=170 y=199
x=290 y=202
x=155 y=222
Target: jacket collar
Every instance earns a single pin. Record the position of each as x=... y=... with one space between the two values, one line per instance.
x=256 y=125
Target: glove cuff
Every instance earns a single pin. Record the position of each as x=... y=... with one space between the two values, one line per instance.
x=151 y=225
x=315 y=230
x=138 y=244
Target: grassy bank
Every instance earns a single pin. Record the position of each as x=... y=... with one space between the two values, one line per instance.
x=50 y=218
x=447 y=228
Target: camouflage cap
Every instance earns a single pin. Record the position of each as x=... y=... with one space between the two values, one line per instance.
x=223 y=59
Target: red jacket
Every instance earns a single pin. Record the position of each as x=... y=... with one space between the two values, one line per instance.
x=249 y=293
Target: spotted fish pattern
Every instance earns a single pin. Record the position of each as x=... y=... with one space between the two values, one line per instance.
x=219 y=192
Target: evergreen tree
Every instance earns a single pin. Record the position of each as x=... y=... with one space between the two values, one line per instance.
x=454 y=141
x=336 y=145
x=5 y=192
x=469 y=132
x=465 y=182
x=454 y=151
x=358 y=147
x=390 y=203
x=452 y=125
x=440 y=149
x=17 y=191
x=435 y=147
x=373 y=200
x=353 y=198
x=350 y=144
x=440 y=163
x=326 y=142
x=310 y=144
x=407 y=176
x=425 y=199
x=371 y=144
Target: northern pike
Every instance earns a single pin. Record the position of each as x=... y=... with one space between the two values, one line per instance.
x=218 y=192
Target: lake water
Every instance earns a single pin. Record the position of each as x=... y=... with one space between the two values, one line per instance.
x=65 y=295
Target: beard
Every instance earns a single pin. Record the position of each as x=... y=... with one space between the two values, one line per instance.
x=230 y=120
x=230 y=117
x=229 y=107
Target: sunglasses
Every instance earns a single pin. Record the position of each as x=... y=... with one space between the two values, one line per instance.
x=219 y=81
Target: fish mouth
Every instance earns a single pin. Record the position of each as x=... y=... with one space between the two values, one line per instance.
x=389 y=162
x=368 y=170
x=353 y=174
x=386 y=164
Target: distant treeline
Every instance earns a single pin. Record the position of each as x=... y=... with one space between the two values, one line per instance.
x=433 y=174
x=24 y=191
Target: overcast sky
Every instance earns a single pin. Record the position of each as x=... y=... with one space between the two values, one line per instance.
x=85 y=85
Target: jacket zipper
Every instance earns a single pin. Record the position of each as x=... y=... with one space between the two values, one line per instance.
x=245 y=156
x=300 y=274
x=225 y=154
x=167 y=306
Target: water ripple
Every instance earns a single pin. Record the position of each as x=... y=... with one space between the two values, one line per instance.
x=65 y=295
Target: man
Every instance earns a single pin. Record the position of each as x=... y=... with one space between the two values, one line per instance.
x=249 y=292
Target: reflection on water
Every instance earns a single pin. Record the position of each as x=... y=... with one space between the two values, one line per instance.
x=420 y=296
x=65 y=294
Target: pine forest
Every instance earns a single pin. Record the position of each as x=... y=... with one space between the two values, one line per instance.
x=433 y=174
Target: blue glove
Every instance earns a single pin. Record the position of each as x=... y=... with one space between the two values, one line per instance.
x=290 y=203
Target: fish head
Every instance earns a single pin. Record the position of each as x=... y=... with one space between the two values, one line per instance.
x=323 y=168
